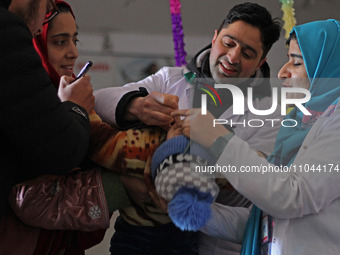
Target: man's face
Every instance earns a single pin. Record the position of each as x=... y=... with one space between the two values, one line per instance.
x=32 y=12
x=236 y=52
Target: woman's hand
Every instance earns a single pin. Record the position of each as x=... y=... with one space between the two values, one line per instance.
x=200 y=128
x=79 y=92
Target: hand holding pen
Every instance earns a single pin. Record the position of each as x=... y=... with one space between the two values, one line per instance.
x=78 y=91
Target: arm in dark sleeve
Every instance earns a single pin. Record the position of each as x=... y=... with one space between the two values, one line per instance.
x=41 y=132
x=122 y=105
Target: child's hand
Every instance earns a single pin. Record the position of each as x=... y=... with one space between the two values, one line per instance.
x=175 y=130
x=158 y=200
x=136 y=188
x=200 y=127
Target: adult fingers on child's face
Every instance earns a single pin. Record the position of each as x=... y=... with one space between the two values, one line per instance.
x=177 y=119
x=180 y=113
x=186 y=112
x=155 y=118
x=177 y=124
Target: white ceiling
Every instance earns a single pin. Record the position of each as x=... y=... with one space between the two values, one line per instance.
x=200 y=17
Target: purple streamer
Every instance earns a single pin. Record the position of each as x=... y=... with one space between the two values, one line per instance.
x=177 y=31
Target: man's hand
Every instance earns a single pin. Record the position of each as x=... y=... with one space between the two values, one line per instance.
x=154 y=110
x=79 y=92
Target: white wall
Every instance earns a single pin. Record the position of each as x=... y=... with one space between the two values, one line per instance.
x=111 y=51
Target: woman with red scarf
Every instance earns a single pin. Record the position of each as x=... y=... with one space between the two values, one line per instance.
x=82 y=200
x=75 y=201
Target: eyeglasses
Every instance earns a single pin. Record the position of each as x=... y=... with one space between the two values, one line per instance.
x=53 y=12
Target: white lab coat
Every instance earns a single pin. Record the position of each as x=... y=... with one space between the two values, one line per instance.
x=305 y=204
x=171 y=80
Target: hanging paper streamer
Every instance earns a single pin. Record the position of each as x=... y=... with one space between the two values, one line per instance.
x=177 y=32
x=288 y=16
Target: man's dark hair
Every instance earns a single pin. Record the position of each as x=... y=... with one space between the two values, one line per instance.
x=257 y=16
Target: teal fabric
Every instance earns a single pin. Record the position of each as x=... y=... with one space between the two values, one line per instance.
x=319 y=43
x=251 y=239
